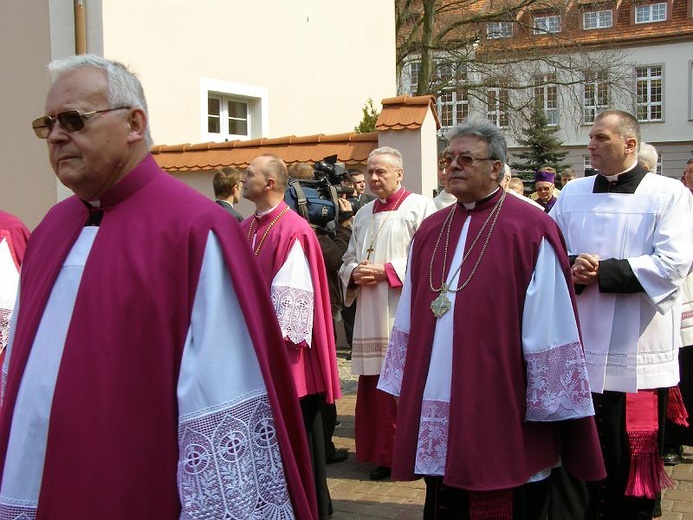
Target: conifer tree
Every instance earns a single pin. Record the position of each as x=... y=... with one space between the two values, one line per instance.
x=370 y=117
x=541 y=147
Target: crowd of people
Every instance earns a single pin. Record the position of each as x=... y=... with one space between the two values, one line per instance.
x=163 y=361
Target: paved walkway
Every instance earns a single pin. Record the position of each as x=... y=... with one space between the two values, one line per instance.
x=355 y=497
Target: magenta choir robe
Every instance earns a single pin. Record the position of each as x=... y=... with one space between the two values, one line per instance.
x=502 y=429
x=303 y=308
x=115 y=433
x=13 y=238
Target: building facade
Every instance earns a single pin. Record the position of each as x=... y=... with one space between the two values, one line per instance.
x=573 y=59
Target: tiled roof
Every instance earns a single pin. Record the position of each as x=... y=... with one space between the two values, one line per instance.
x=399 y=113
x=351 y=148
x=406 y=113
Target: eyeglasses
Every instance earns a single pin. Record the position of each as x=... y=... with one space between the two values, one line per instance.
x=545 y=188
x=463 y=160
x=71 y=121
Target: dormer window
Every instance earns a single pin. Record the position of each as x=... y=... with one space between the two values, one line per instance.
x=499 y=30
x=547 y=24
x=597 y=19
x=651 y=13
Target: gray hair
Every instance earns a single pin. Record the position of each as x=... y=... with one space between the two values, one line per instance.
x=488 y=132
x=124 y=88
x=395 y=155
x=647 y=156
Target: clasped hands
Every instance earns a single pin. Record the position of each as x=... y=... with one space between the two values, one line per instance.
x=585 y=269
x=367 y=273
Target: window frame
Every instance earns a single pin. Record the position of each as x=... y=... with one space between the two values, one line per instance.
x=600 y=80
x=598 y=18
x=545 y=94
x=546 y=29
x=499 y=113
x=500 y=30
x=640 y=9
x=255 y=97
x=649 y=105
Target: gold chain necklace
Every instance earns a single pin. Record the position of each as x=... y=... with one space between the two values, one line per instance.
x=374 y=237
x=264 y=235
x=441 y=304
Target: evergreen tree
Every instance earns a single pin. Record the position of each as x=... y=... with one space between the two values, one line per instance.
x=543 y=148
x=370 y=117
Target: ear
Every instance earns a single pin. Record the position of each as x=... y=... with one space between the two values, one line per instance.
x=137 y=125
x=497 y=171
x=400 y=174
x=631 y=145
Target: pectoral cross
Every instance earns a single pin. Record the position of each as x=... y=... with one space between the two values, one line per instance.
x=369 y=251
x=441 y=304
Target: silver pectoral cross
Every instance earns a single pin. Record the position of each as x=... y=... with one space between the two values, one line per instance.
x=441 y=304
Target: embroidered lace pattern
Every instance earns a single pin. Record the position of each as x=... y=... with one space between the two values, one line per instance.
x=393 y=371
x=5 y=317
x=17 y=509
x=432 y=446
x=230 y=466
x=557 y=387
x=294 y=308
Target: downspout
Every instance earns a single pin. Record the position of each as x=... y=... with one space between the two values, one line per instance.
x=80 y=27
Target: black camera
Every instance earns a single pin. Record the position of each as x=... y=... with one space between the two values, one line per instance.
x=316 y=199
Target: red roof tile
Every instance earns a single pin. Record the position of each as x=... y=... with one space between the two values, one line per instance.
x=406 y=113
x=351 y=148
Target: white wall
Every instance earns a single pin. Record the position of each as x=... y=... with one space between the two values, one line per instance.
x=302 y=52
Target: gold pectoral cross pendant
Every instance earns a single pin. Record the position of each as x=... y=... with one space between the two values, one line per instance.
x=441 y=304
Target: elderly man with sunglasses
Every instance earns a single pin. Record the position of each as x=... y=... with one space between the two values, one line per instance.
x=488 y=407
x=139 y=382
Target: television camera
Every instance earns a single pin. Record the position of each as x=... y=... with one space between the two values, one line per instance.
x=316 y=199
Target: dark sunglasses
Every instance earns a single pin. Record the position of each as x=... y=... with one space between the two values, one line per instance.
x=71 y=121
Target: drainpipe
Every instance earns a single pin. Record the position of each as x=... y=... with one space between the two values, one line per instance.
x=80 y=27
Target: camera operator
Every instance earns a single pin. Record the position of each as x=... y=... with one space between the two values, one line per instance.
x=333 y=244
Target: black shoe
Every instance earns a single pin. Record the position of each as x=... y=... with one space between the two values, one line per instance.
x=337 y=424
x=338 y=456
x=672 y=457
x=380 y=473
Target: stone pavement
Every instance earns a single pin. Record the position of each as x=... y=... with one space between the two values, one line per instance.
x=355 y=497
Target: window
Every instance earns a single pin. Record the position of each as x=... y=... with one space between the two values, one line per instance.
x=597 y=19
x=595 y=95
x=228 y=117
x=497 y=101
x=649 y=93
x=547 y=24
x=231 y=111
x=414 y=68
x=499 y=29
x=546 y=97
x=651 y=13
x=453 y=95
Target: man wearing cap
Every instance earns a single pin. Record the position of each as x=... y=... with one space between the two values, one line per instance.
x=545 y=187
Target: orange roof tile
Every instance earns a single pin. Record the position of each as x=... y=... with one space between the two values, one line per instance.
x=351 y=148
x=406 y=113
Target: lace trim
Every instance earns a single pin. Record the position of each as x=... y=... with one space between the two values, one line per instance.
x=432 y=444
x=17 y=509
x=393 y=371
x=230 y=466
x=294 y=308
x=557 y=387
x=5 y=318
